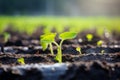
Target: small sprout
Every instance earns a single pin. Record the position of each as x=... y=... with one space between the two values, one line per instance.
x=6 y=36
x=48 y=39
x=102 y=51
x=79 y=50
x=99 y=43
x=21 y=61
x=89 y=37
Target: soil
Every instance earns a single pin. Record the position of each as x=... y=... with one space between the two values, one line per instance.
x=41 y=65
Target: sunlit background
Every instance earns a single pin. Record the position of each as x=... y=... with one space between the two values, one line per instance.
x=80 y=14
x=60 y=7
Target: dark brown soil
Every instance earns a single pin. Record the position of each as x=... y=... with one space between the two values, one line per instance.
x=90 y=65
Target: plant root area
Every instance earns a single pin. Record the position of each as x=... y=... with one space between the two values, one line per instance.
x=95 y=63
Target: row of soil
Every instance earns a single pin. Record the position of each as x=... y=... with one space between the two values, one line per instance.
x=92 y=64
x=11 y=59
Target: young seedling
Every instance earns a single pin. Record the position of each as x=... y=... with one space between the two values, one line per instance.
x=89 y=37
x=48 y=39
x=79 y=50
x=21 y=61
x=102 y=51
x=99 y=43
x=6 y=36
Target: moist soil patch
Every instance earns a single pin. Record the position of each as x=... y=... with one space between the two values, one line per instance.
x=92 y=64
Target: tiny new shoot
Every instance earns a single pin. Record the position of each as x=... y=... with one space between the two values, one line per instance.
x=79 y=50
x=89 y=37
x=102 y=51
x=21 y=61
x=6 y=36
x=48 y=39
x=99 y=43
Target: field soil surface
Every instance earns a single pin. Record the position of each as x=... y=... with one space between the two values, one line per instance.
x=95 y=62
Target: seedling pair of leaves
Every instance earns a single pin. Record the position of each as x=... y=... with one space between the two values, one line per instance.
x=89 y=37
x=79 y=50
x=99 y=43
x=21 y=61
x=49 y=39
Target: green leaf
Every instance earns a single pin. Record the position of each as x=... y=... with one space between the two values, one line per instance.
x=44 y=45
x=99 y=43
x=21 y=60
x=48 y=38
x=67 y=35
x=89 y=37
x=78 y=49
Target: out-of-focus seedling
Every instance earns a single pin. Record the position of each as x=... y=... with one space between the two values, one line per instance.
x=6 y=36
x=99 y=43
x=21 y=61
x=89 y=37
x=48 y=39
x=102 y=51
x=79 y=50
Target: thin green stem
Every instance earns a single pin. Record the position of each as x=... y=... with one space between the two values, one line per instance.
x=51 y=49
x=80 y=52
x=61 y=45
x=59 y=51
x=56 y=44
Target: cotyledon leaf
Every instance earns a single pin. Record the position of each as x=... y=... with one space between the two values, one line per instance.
x=44 y=45
x=67 y=35
x=47 y=39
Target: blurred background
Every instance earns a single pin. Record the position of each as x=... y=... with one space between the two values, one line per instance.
x=28 y=15
x=60 y=7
